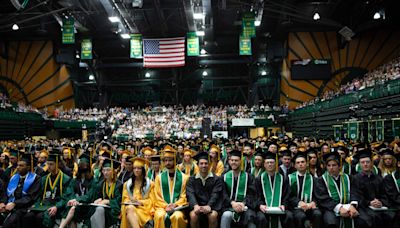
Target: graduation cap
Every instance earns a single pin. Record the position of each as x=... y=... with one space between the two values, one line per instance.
x=365 y=153
x=386 y=152
x=14 y=152
x=113 y=164
x=332 y=156
x=148 y=151
x=292 y=144
x=188 y=152
x=201 y=155
x=139 y=162
x=70 y=150
x=236 y=153
x=299 y=155
x=285 y=153
x=259 y=153
x=155 y=158
x=85 y=158
x=129 y=158
x=344 y=149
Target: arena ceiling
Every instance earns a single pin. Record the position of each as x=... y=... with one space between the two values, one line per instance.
x=41 y=19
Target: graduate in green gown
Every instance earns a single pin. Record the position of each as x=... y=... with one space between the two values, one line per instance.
x=53 y=196
x=103 y=201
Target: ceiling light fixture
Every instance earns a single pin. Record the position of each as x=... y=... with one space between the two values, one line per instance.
x=204 y=73
x=91 y=77
x=257 y=23
x=316 y=16
x=263 y=73
x=203 y=52
x=147 y=75
x=125 y=36
x=15 y=27
x=200 y=33
x=114 y=19
x=377 y=16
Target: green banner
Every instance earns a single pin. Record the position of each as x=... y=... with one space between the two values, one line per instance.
x=86 y=49
x=193 y=46
x=248 y=27
x=396 y=128
x=337 y=132
x=136 y=46
x=68 y=31
x=380 y=130
x=352 y=130
x=244 y=46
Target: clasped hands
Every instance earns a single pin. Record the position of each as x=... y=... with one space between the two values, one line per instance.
x=307 y=206
x=348 y=211
x=202 y=209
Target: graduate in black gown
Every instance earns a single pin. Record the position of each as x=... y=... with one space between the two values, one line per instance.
x=302 y=194
x=392 y=190
x=368 y=190
x=272 y=192
x=333 y=188
x=22 y=191
x=204 y=191
x=239 y=195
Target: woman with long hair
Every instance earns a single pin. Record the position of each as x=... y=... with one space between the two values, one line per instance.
x=137 y=197
x=69 y=166
x=216 y=165
x=387 y=164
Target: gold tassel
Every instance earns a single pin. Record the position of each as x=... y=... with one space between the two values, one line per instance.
x=276 y=163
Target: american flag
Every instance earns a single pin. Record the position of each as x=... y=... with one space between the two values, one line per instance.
x=169 y=52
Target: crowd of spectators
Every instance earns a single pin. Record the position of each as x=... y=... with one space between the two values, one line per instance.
x=379 y=76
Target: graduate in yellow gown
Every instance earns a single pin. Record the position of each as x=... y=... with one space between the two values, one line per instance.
x=188 y=166
x=139 y=192
x=170 y=193
x=216 y=165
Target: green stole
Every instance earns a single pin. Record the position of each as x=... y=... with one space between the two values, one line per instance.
x=224 y=155
x=342 y=196
x=191 y=172
x=272 y=195
x=346 y=168
x=255 y=173
x=170 y=197
x=374 y=170
x=396 y=181
x=245 y=162
x=241 y=189
x=307 y=187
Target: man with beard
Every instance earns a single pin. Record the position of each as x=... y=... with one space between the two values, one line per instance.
x=167 y=203
x=239 y=195
x=334 y=198
x=204 y=191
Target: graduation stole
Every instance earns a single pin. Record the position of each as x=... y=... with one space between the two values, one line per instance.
x=245 y=162
x=396 y=181
x=13 y=184
x=346 y=168
x=108 y=190
x=306 y=188
x=339 y=196
x=374 y=170
x=241 y=189
x=272 y=195
x=256 y=173
x=224 y=155
x=53 y=188
x=170 y=197
x=185 y=170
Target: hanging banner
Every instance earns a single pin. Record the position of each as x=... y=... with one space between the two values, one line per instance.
x=193 y=46
x=380 y=130
x=337 y=132
x=396 y=127
x=352 y=130
x=248 y=27
x=68 y=31
x=371 y=131
x=244 y=46
x=136 y=46
x=86 y=49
